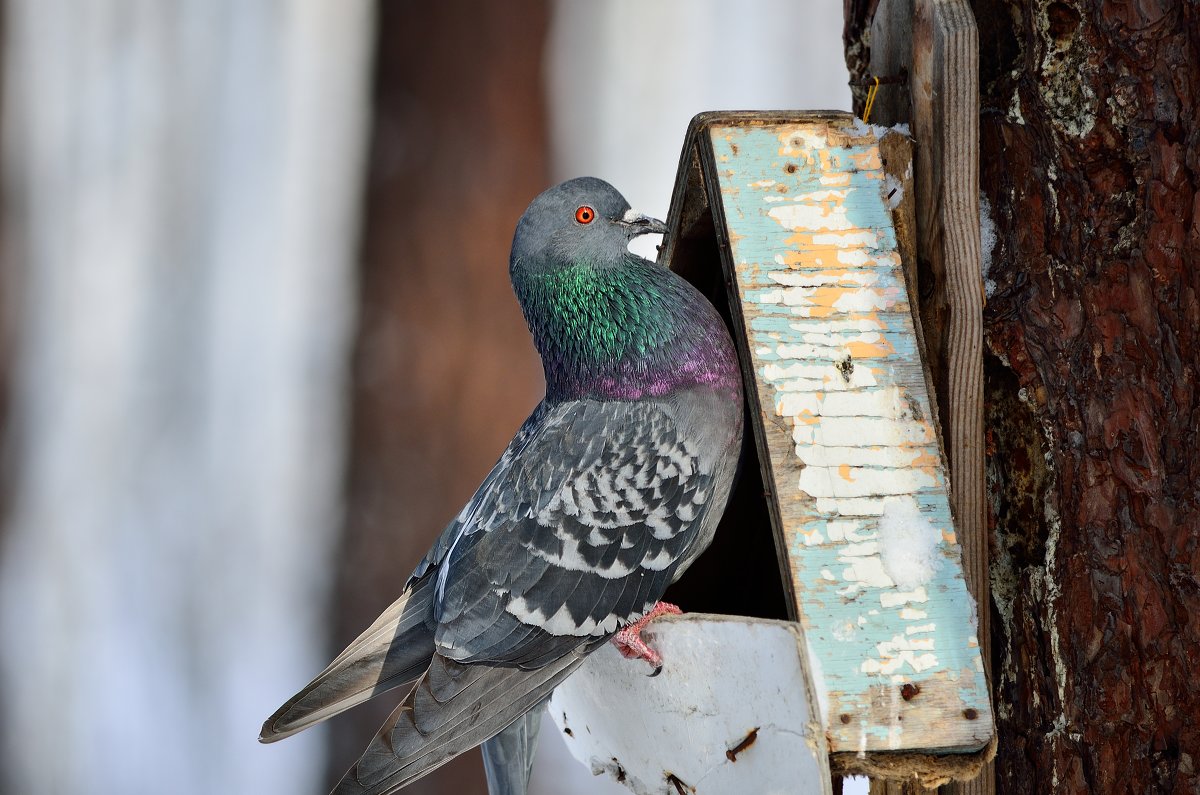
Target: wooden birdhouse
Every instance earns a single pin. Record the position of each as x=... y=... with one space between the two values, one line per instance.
x=846 y=633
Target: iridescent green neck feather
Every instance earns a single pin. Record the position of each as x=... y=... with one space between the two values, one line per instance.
x=622 y=331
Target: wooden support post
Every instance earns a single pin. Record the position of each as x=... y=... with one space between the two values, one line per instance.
x=879 y=787
x=937 y=41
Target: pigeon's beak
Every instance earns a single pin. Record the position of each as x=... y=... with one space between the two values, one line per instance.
x=640 y=224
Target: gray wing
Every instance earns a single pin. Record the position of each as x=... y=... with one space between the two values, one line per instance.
x=576 y=534
x=398 y=646
x=577 y=531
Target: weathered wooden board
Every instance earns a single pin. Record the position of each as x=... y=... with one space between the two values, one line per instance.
x=800 y=207
x=732 y=711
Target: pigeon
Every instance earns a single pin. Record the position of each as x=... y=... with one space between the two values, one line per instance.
x=608 y=492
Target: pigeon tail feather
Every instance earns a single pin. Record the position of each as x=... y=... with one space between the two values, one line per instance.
x=452 y=709
x=508 y=757
x=393 y=651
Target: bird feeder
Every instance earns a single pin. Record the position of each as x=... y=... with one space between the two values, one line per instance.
x=848 y=636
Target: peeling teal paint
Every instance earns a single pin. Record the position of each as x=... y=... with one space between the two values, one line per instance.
x=815 y=254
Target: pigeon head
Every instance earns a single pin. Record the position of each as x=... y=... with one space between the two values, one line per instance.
x=581 y=220
x=607 y=323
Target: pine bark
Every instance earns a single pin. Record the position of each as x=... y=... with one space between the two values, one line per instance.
x=1090 y=162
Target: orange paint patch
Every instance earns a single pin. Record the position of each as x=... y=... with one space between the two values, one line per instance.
x=807 y=257
x=818 y=311
x=827 y=296
x=872 y=317
x=925 y=461
x=868 y=160
x=844 y=471
x=870 y=350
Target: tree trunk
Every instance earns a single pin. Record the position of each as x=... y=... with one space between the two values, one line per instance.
x=1090 y=152
x=444 y=369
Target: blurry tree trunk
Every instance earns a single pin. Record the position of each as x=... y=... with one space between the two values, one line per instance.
x=1090 y=153
x=181 y=184
x=444 y=369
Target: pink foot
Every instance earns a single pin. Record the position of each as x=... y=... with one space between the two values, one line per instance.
x=629 y=640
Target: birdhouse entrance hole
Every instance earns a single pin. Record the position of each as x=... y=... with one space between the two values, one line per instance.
x=741 y=573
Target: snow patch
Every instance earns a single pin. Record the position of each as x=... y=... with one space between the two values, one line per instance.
x=893 y=191
x=987 y=242
x=863 y=128
x=908 y=543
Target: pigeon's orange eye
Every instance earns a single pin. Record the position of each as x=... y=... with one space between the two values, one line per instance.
x=585 y=215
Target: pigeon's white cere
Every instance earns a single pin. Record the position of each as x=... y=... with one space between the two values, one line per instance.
x=645 y=246
x=908 y=543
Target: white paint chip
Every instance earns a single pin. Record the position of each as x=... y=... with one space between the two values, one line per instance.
x=908 y=543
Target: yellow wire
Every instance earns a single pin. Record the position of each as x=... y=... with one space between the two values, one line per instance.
x=871 y=92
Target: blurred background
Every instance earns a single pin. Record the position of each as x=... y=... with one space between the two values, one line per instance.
x=257 y=343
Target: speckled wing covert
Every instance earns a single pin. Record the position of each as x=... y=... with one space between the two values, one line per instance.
x=577 y=531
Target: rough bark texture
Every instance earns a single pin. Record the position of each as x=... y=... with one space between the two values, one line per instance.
x=1090 y=150
x=1091 y=161
x=444 y=371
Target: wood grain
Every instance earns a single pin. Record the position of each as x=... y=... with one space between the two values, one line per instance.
x=891 y=55
x=937 y=41
x=1089 y=126
x=945 y=79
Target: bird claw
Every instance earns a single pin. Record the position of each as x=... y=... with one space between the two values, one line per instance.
x=629 y=640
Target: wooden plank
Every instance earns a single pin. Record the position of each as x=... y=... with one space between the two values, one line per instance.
x=946 y=124
x=854 y=461
x=938 y=42
x=732 y=711
x=891 y=56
